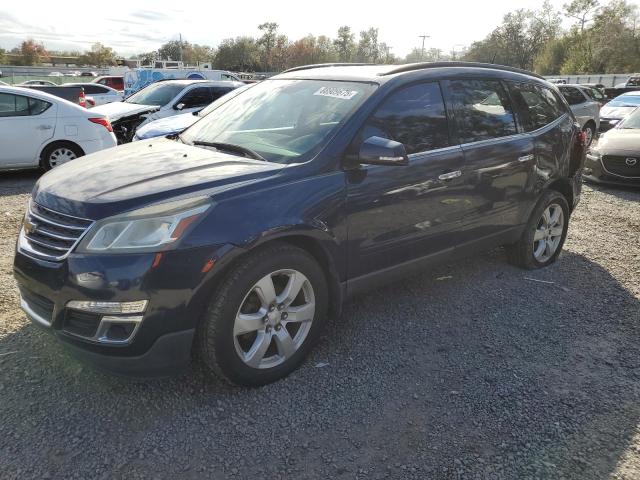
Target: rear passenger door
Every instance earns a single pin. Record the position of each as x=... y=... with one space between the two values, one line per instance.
x=498 y=158
x=397 y=214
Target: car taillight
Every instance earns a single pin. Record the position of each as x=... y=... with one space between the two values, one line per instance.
x=102 y=121
x=581 y=138
x=81 y=100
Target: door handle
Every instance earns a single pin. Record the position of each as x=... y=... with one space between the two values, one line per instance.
x=526 y=158
x=450 y=175
x=45 y=127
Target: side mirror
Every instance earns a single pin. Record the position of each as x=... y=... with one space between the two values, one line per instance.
x=179 y=106
x=382 y=151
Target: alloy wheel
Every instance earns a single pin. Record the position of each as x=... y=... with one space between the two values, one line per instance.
x=274 y=319
x=548 y=234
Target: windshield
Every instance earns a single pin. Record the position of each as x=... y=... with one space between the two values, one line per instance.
x=624 y=101
x=158 y=94
x=632 y=121
x=284 y=121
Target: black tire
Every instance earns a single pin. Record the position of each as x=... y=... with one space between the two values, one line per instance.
x=45 y=158
x=216 y=342
x=521 y=253
x=590 y=130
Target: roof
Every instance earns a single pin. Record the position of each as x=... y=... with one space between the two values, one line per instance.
x=635 y=93
x=382 y=73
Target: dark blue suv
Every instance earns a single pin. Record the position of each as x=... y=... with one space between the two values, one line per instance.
x=236 y=239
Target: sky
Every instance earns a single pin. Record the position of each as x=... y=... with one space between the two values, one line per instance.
x=134 y=27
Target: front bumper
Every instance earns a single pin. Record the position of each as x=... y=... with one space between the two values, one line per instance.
x=595 y=172
x=175 y=286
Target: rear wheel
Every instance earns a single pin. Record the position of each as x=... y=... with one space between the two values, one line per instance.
x=545 y=233
x=265 y=316
x=59 y=153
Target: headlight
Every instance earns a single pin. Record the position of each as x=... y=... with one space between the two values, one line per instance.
x=154 y=228
x=593 y=155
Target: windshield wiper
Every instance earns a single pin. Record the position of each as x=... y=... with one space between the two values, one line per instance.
x=230 y=147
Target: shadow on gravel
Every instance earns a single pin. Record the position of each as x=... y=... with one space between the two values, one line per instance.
x=472 y=370
x=19 y=181
x=623 y=192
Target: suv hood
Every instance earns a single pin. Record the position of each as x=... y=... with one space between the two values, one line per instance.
x=117 y=110
x=120 y=179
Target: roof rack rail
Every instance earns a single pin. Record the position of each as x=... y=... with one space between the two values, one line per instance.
x=324 y=65
x=418 y=66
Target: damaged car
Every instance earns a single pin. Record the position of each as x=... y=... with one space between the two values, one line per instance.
x=160 y=100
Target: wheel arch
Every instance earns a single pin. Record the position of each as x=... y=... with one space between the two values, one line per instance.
x=563 y=186
x=53 y=143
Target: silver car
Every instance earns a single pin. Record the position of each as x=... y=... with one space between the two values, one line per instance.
x=585 y=108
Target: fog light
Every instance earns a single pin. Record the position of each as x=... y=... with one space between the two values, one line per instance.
x=108 y=307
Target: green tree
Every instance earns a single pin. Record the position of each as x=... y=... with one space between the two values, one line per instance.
x=238 y=54
x=99 y=56
x=267 y=42
x=582 y=11
x=344 y=44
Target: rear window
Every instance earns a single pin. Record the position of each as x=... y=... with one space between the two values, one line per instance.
x=483 y=110
x=572 y=95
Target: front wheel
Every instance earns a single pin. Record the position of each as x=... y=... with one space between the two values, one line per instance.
x=265 y=316
x=544 y=235
x=590 y=133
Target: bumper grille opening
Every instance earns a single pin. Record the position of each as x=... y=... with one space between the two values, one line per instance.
x=120 y=331
x=51 y=235
x=82 y=324
x=619 y=165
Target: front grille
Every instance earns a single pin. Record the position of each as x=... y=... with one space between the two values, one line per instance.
x=51 y=235
x=43 y=307
x=79 y=323
x=622 y=165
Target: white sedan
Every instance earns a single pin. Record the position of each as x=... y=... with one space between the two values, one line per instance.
x=38 y=129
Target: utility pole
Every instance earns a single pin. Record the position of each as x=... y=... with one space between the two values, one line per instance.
x=180 y=47
x=422 y=51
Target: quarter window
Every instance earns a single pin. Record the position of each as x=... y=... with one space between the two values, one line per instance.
x=537 y=106
x=36 y=106
x=483 y=110
x=414 y=116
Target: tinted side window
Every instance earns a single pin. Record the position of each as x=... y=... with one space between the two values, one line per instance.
x=94 y=89
x=13 y=105
x=217 y=92
x=414 y=116
x=36 y=106
x=483 y=110
x=594 y=93
x=572 y=95
x=198 y=97
x=537 y=106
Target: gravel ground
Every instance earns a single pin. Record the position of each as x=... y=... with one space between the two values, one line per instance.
x=472 y=370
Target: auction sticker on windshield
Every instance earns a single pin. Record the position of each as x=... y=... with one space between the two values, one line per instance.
x=336 y=92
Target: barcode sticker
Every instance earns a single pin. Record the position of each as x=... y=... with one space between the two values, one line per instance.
x=336 y=93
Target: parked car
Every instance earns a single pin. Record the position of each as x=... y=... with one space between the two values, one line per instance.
x=69 y=93
x=43 y=83
x=557 y=81
x=616 y=157
x=584 y=107
x=114 y=81
x=56 y=74
x=595 y=94
x=100 y=94
x=88 y=74
x=239 y=237
x=39 y=129
x=617 y=109
x=159 y=100
x=178 y=123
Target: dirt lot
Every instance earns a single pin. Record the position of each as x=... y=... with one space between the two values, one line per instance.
x=473 y=370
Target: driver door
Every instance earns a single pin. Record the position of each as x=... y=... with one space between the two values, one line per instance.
x=401 y=214
x=193 y=100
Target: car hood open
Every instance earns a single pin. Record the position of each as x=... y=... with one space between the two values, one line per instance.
x=130 y=176
x=117 y=110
